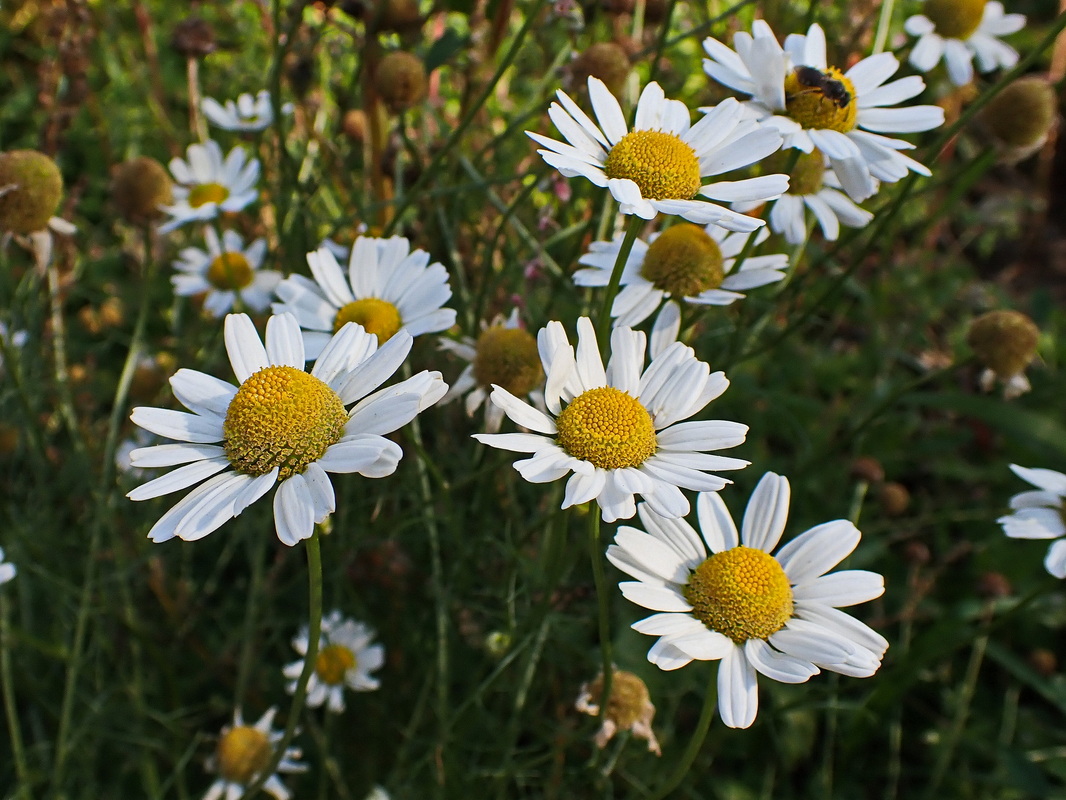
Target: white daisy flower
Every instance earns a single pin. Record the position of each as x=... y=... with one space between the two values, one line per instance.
x=504 y=354
x=1040 y=514
x=688 y=262
x=811 y=104
x=226 y=271
x=243 y=752
x=345 y=658
x=281 y=426
x=726 y=597
x=247 y=114
x=659 y=165
x=957 y=31
x=7 y=569
x=615 y=429
x=208 y=186
x=388 y=287
x=812 y=185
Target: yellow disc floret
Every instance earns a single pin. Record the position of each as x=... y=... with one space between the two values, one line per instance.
x=207 y=193
x=228 y=271
x=281 y=417
x=742 y=593
x=663 y=166
x=955 y=19
x=332 y=663
x=508 y=357
x=379 y=317
x=821 y=100
x=684 y=261
x=608 y=428
x=242 y=753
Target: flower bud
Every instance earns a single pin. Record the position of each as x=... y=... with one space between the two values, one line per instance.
x=400 y=80
x=139 y=187
x=31 y=188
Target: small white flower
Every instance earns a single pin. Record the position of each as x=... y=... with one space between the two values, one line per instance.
x=619 y=429
x=242 y=753
x=812 y=104
x=1040 y=514
x=12 y=340
x=7 y=569
x=388 y=288
x=345 y=658
x=208 y=186
x=226 y=271
x=658 y=167
x=505 y=354
x=957 y=31
x=247 y=114
x=725 y=597
x=687 y=262
x=281 y=426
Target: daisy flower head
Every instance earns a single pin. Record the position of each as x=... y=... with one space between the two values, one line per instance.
x=208 y=185
x=248 y=114
x=813 y=186
x=723 y=596
x=345 y=658
x=388 y=287
x=957 y=32
x=812 y=104
x=1040 y=514
x=504 y=354
x=658 y=167
x=225 y=272
x=689 y=262
x=7 y=569
x=616 y=429
x=243 y=752
x=280 y=425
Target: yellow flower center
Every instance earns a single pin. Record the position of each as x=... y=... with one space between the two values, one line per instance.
x=379 y=317
x=332 y=663
x=281 y=417
x=508 y=357
x=955 y=19
x=229 y=271
x=608 y=428
x=663 y=166
x=684 y=261
x=242 y=753
x=821 y=100
x=207 y=193
x=742 y=593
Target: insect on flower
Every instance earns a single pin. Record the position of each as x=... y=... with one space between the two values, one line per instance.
x=819 y=82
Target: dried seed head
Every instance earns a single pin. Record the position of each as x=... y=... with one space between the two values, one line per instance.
x=1021 y=116
x=894 y=498
x=193 y=38
x=139 y=187
x=31 y=187
x=868 y=468
x=400 y=80
x=1004 y=341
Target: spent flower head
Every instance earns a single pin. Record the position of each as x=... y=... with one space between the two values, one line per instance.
x=1004 y=341
x=618 y=431
x=659 y=166
x=629 y=708
x=280 y=426
x=724 y=596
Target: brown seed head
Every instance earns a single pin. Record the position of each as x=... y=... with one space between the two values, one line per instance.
x=400 y=80
x=32 y=187
x=139 y=187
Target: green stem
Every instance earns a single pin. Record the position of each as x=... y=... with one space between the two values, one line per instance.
x=314 y=632
x=884 y=22
x=603 y=599
x=603 y=322
x=694 y=744
x=7 y=685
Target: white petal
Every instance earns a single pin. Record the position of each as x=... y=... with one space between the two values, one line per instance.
x=244 y=348
x=168 y=455
x=1047 y=479
x=766 y=513
x=818 y=550
x=657 y=598
x=201 y=393
x=180 y=478
x=608 y=112
x=716 y=524
x=778 y=666
x=284 y=344
x=738 y=692
x=178 y=425
x=294 y=511
x=844 y=588
x=1055 y=560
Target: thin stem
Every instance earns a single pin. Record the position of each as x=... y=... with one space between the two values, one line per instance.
x=7 y=685
x=603 y=322
x=884 y=22
x=603 y=599
x=314 y=632
x=694 y=744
